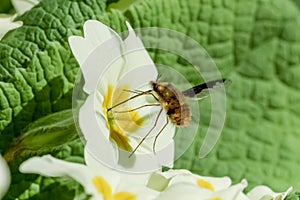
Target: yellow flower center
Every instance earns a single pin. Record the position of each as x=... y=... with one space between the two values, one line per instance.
x=105 y=190
x=118 y=123
x=205 y=184
x=215 y=198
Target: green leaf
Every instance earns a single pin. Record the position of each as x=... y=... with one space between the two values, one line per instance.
x=121 y=5
x=56 y=188
x=44 y=135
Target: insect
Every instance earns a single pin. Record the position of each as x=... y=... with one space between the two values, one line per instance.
x=173 y=101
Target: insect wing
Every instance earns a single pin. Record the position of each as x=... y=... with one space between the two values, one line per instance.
x=203 y=90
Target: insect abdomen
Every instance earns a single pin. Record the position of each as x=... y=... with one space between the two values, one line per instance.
x=179 y=115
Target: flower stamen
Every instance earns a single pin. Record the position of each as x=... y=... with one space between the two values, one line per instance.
x=205 y=184
x=103 y=187
x=105 y=190
x=119 y=123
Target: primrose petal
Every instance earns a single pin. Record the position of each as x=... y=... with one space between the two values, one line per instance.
x=95 y=34
x=263 y=192
x=7 y=23
x=22 y=6
x=53 y=167
x=5 y=177
x=233 y=192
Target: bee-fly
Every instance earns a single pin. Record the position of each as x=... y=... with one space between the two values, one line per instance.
x=172 y=100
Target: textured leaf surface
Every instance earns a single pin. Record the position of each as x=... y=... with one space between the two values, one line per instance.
x=254 y=43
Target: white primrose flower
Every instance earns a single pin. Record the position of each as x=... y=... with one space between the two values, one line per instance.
x=4 y=177
x=176 y=184
x=7 y=23
x=112 y=70
x=22 y=6
x=264 y=193
x=99 y=181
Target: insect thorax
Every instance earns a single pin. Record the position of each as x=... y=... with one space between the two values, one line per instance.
x=173 y=102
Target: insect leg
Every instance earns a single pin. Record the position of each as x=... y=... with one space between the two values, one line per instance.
x=134 y=91
x=148 y=92
x=131 y=110
x=155 y=123
x=154 y=143
x=133 y=97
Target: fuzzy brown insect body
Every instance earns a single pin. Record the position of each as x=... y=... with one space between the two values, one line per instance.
x=173 y=102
